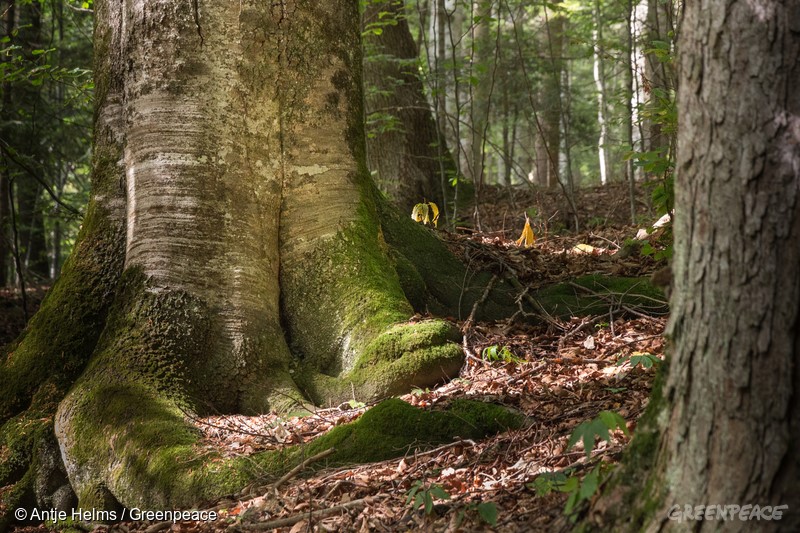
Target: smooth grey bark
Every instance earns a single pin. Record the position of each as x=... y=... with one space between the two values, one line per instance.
x=600 y=81
x=256 y=276
x=730 y=415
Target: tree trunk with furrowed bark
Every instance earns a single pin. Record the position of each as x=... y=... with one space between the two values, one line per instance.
x=724 y=427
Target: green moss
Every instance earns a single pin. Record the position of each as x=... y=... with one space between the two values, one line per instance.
x=156 y=461
x=19 y=439
x=158 y=337
x=412 y=283
x=131 y=439
x=419 y=354
x=346 y=315
x=451 y=288
x=565 y=300
x=393 y=427
x=59 y=339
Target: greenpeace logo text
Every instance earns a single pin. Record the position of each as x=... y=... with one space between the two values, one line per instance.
x=683 y=513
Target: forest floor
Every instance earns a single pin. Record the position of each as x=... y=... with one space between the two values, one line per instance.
x=559 y=373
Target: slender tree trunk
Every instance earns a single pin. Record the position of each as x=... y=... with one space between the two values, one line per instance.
x=729 y=412
x=31 y=224
x=599 y=80
x=637 y=29
x=9 y=16
x=660 y=83
x=630 y=82
x=480 y=100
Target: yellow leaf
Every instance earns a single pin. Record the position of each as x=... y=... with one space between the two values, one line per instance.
x=422 y=213
x=583 y=248
x=527 y=238
x=435 y=211
x=419 y=212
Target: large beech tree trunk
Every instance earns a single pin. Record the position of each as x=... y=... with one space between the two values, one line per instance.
x=232 y=258
x=729 y=413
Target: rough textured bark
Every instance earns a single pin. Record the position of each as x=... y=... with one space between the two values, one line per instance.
x=410 y=159
x=729 y=416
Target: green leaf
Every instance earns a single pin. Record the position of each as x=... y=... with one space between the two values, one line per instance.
x=428 y=502
x=588 y=432
x=589 y=485
x=545 y=483
x=570 y=485
x=488 y=512
x=438 y=492
x=613 y=420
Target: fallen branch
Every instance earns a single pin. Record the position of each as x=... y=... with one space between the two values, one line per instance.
x=294 y=471
x=471 y=318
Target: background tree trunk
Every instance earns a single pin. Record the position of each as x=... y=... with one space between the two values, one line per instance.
x=406 y=151
x=729 y=416
x=549 y=137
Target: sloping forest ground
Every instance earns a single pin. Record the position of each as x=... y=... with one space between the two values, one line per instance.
x=559 y=373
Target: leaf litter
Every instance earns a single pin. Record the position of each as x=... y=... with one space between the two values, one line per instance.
x=559 y=374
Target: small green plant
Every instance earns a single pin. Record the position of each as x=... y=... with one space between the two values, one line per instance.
x=643 y=359
x=599 y=427
x=486 y=510
x=663 y=250
x=500 y=353
x=579 y=490
x=420 y=495
x=565 y=481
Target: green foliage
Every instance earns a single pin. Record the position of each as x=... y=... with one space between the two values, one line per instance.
x=643 y=359
x=420 y=495
x=500 y=353
x=45 y=125
x=599 y=427
x=579 y=490
x=488 y=512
